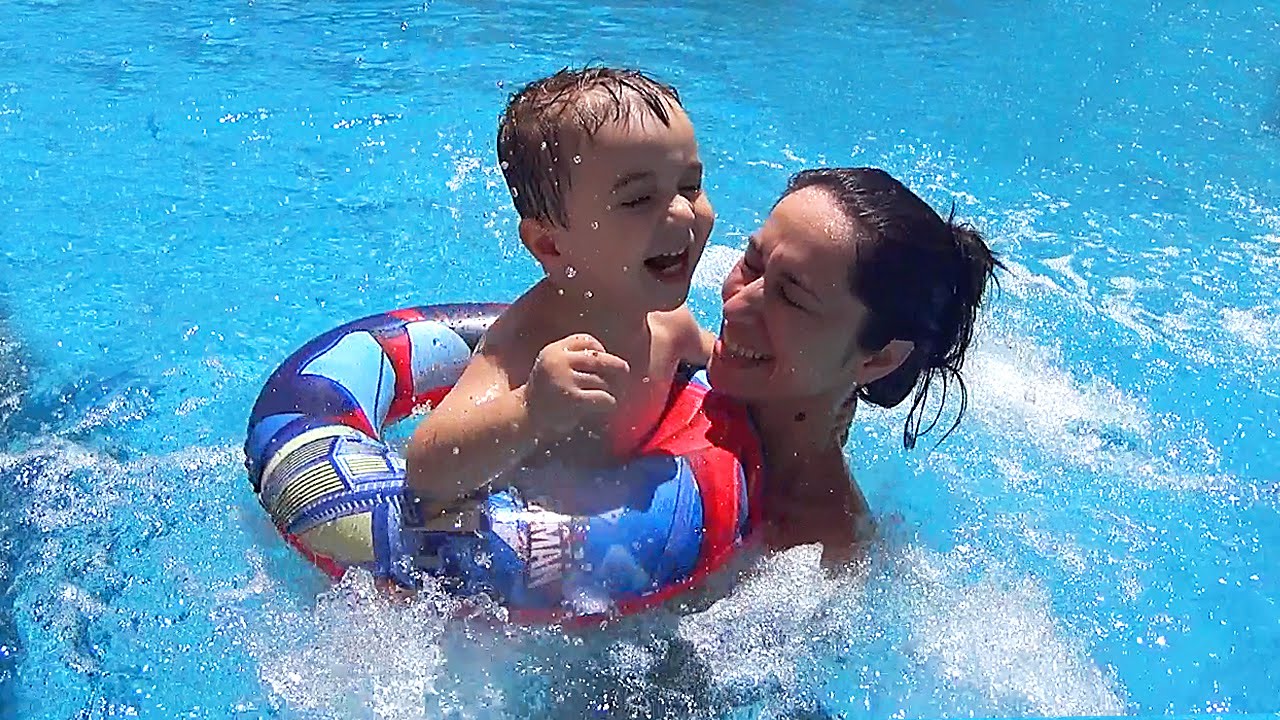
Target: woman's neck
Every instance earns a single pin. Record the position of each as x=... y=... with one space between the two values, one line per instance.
x=803 y=444
x=801 y=427
x=810 y=494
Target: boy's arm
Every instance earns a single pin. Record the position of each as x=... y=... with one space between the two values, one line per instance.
x=479 y=430
x=485 y=427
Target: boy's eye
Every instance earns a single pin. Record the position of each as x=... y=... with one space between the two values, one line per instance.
x=636 y=202
x=692 y=189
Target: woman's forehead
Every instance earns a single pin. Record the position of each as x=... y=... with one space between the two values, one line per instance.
x=812 y=213
x=811 y=239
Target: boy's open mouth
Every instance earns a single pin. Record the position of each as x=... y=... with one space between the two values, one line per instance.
x=671 y=266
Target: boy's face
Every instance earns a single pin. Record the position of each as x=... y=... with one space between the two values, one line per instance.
x=638 y=217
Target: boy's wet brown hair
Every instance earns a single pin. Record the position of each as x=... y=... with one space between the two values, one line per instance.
x=546 y=123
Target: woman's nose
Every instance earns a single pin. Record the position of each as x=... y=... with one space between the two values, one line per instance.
x=740 y=296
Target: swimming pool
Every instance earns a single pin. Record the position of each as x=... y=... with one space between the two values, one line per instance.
x=188 y=193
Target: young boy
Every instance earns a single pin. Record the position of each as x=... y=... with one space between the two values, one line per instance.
x=603 y=168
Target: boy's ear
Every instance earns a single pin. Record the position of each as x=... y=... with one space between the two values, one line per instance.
x=539 y=238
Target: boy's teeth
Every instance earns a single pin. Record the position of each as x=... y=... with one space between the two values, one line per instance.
x=662 y=262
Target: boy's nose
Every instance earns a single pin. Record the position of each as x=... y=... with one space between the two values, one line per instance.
x=681 y=209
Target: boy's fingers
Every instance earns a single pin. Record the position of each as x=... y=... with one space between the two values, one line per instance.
x=582 y=341
x=585 y=381
x=594 y=391
x=599 y=399
x=601 y=362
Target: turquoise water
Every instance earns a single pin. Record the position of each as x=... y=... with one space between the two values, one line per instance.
x=188 y=193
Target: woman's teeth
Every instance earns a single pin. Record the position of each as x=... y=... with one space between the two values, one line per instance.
x=740 y=352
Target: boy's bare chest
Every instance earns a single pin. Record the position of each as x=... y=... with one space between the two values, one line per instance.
x=640 y=405
x=641 y=400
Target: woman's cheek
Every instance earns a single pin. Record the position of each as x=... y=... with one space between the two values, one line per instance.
x=732 y=283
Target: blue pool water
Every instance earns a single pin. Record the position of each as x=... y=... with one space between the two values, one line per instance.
x=189 y=191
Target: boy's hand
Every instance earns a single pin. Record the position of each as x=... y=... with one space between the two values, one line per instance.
x=570 y=379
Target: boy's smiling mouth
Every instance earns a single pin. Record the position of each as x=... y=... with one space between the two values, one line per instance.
x=669 y=266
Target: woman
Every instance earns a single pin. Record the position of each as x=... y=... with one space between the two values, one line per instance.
x=853 y=289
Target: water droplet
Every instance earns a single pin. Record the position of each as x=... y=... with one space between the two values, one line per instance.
x=456 y=449
x=559 y=291
x=625 y=268
x=588 y=295
x=544 y=144
x=515 y=192
x=577 y=159
x=570 y=271
x=504 y=164
x=595 y=225
x=645 y=379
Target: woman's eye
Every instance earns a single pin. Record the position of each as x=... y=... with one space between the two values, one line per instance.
x=787 y=299
x=637 y=202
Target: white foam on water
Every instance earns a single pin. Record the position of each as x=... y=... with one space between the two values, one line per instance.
x=999 y=637
x=1258 y=327
x=1019 y=388
x=14 y=374
x=69 y=485
x=1063 y=266
x=765 y=631
x=716 y=263
x=927 y=633
x=1022 y=396
x=109 y=560
x=354 y=654
x=463 y=167
x=915 y=627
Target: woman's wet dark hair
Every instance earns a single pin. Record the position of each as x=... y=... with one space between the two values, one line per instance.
x=922 y=279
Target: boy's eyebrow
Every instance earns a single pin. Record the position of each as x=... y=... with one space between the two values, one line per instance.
x=630 y=178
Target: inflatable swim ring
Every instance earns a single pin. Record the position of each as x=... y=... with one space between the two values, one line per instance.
x=335 y=490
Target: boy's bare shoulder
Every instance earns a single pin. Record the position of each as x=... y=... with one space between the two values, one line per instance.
x=679 y=330
x=516 y=337
x=675 y=322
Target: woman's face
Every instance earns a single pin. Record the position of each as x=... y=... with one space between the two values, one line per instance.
x=790 y=320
